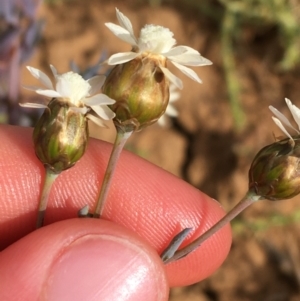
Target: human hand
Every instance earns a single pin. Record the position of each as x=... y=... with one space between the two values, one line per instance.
x=91 y=259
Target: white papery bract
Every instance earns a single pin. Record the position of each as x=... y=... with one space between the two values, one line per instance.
x=157 y=40
x=281 y=121
x=81 y=95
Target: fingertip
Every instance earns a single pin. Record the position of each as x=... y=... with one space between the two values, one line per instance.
x=82 y=260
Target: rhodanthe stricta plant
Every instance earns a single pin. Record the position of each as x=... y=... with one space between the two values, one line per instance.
x=136 y=94
x=281 y=120
x=159 y=42
x=61 y=134
x=82 y=96
x=274 y=175
x=140 y=83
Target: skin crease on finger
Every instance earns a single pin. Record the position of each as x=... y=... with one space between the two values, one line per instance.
x=143 y=198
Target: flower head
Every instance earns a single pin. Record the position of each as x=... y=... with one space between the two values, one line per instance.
x=275 y=171
x=141 y=92
x=60 y=136
x=81 y=95
x=281 y=120
x=159 y=41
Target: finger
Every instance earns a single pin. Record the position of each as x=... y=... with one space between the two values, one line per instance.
x=143 y=198
x=85 y=259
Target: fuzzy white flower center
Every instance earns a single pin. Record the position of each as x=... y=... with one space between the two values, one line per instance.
x=73 y=86
x=156 y=39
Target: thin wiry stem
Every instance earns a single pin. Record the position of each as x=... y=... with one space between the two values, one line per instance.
x=249 y=199
x=121 y=138
x=50 y=177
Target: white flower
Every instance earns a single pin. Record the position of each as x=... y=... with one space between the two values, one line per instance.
x=82 y=95
x=282 y=121
x=171 y=110
x=156 y=40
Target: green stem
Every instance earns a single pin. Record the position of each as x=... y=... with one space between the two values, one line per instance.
x=121 y=138
x=249 y=199
x=50 y=177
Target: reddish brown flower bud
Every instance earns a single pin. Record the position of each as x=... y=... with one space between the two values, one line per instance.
x=140 y=89
x=60 y=136
x=275 y=171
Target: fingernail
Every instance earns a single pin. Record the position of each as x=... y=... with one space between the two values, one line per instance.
x=102 y=267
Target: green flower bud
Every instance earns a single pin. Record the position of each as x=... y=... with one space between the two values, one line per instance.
x=275 y=171
x=140 y=89
x=60 y=136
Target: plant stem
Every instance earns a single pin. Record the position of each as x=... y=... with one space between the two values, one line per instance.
x=50 y=177
x=121 y=138
x=249 y=199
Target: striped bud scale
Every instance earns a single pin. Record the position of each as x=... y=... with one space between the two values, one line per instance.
x=60 y=136
x=275 y=171
x=140 y=89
